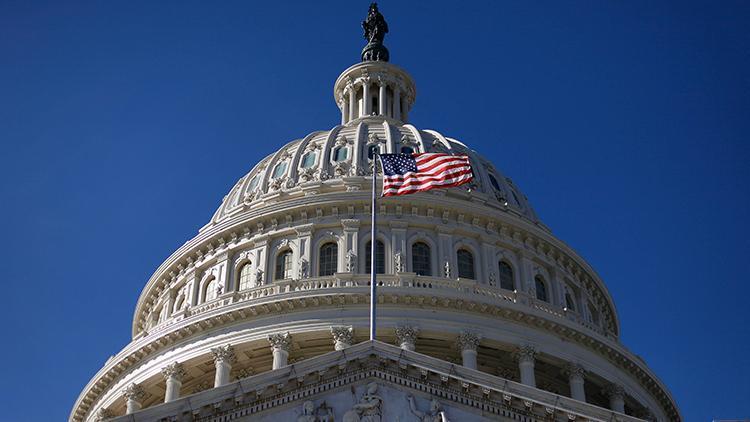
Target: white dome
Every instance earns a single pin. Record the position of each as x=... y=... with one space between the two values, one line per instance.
x=274 y=290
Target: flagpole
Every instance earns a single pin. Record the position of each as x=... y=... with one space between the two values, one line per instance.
x=373 y=242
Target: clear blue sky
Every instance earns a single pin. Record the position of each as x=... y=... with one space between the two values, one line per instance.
x=123 y=124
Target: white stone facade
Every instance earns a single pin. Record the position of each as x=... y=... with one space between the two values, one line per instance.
x=266 y=309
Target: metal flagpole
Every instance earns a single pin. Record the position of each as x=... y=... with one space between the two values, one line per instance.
x=373 y=242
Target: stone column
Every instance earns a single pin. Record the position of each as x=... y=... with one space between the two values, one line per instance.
x=352 y=102
x=397 y=103
x=407 y=337
x=468 y=343
x=173 y=374
x=224 y=357
x=343 y=337
x=366 y=100
x=280 y=345
x=133 y=395
x=525 y=355
x=344 y=109
x=576 y=373
x=381 y=97
x=616 y=395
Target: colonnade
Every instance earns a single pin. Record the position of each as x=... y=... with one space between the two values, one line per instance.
x=390 y=102
x=467 y=343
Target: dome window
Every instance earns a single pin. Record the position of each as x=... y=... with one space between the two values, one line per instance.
x=308 y=160
x=541 y=289
x=246 y=277
x=283 y=265
x=210 y=292
x=328 y=259
x=253 y=183
x=379 y=257
x=515 y=197
x=465 y=264
x=279 y=170
x=506 y=275
x=494 y=182
x=407 y=150
x=340 y=154
x=569 y=303
x=421 y=259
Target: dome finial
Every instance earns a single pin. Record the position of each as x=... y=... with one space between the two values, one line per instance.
x=375 y=29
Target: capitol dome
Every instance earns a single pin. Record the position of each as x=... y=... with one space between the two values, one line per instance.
x=483 y=312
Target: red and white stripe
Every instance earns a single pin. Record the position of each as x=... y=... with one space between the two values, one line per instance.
x=434 y=170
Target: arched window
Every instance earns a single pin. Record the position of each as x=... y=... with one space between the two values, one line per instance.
x=308 y=160
x=279 y=170
x=407 y=150
x=328 y=260
x=569 y=303
x=421 y=259
x=594 y=314
x=209 y=291
x=283 y=265
x=506 y=275
x=246 y=277
x=494 y=183
x=541 y=288
x=178 y=303
x=379 y=257
x=465 y=264
x=340 y=154
x=253 y=183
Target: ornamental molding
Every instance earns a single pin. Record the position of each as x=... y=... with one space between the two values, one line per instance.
x=525 y=353
x=223 y=354
x=574 y=370
x=407 y=334
x=280 y=341
x=133 y=392
x=614 y=391
x=174 y=370
x=342 y=336
x=467 y=340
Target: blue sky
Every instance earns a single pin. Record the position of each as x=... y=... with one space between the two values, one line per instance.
x=123 y=124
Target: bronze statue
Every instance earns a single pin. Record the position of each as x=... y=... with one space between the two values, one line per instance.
x=375 y=29
x=375 y=26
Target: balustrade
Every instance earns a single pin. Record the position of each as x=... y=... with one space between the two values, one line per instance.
x=362 y=281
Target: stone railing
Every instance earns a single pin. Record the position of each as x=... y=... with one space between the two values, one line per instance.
x=447 y=287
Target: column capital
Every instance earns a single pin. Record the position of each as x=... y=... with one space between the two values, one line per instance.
x=282 y=341
x=350 y=223
x=573 y=370
x=525 y=353
x=103 y=414
x=613 y=391
x=342 y=336
x=468 y=341
x=223 y=353
x=407 y=334
x=174 y=370
x=133 y=392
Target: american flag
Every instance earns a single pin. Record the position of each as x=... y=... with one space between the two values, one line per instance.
x=411 y=173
